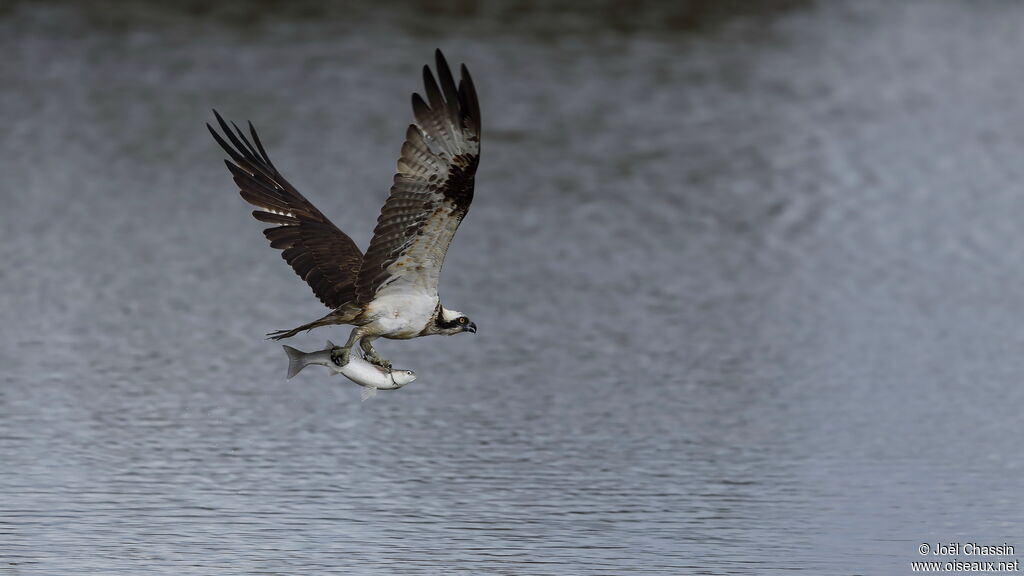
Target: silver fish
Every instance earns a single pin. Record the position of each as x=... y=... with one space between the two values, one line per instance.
x=370 y=376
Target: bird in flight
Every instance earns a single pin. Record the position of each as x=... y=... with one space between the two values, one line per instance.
x=391 y=290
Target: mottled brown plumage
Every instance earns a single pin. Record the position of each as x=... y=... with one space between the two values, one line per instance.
x=321 y=254
x=434 y=182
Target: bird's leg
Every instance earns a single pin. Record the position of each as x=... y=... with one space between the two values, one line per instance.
x=371 y=355
x=341 y=355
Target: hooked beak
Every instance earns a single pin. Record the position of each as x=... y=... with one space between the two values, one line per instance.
x=471 y=327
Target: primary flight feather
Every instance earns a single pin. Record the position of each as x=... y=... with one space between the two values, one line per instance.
x=391 y=291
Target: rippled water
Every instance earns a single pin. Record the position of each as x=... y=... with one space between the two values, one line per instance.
x=748 y=288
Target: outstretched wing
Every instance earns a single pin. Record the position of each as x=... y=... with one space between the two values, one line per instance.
x=320 y=253
x=432 y=190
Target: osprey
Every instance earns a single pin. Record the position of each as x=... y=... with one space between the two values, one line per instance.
x=391 y=291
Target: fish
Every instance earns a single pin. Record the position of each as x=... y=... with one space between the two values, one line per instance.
x=370 y=376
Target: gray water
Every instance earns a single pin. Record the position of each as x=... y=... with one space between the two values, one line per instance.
x=748 y=285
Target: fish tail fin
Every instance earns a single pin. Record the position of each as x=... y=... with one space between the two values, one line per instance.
x=296 y=360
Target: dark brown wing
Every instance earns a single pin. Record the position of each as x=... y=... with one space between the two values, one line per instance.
x=316 y=249
x=432 y=190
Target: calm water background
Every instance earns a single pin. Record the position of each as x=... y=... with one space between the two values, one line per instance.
x=748 y=282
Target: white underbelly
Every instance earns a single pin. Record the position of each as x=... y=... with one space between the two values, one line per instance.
x=400 y=314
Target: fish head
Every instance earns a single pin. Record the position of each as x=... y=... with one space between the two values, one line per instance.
x=402 y=377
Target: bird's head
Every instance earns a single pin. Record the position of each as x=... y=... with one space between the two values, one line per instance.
x=452 y=322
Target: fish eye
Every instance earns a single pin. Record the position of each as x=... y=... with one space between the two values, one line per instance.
x=463 y=320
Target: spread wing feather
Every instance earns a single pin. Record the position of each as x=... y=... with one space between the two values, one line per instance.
x=432 y=189
x=321 y=254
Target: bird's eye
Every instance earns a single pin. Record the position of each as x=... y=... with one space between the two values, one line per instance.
x=462 y=320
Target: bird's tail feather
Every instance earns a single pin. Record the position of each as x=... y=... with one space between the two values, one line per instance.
x=282 y=334
x=296 y=360
x=340 y=316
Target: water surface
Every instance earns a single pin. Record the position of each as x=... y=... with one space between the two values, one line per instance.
x=747 y=283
